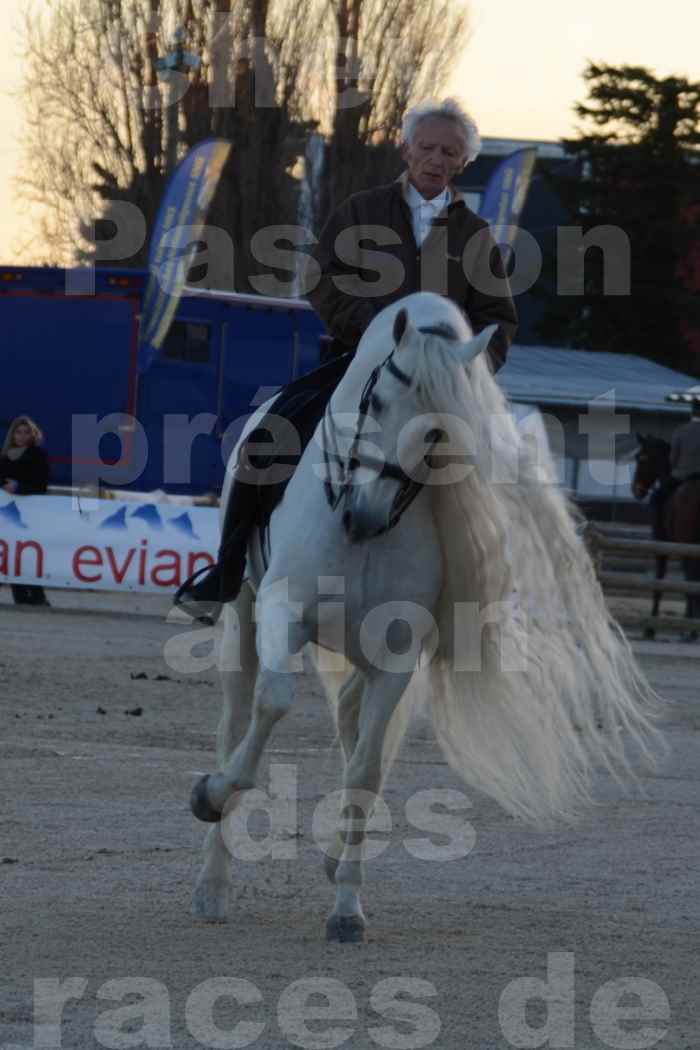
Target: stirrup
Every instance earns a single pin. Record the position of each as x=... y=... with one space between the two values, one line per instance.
x=201 y=601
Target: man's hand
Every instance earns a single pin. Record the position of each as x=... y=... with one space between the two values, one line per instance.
x=10 y=486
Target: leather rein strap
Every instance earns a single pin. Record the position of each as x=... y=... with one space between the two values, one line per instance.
x=409 y=487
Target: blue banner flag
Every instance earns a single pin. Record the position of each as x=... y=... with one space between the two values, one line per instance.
x=505 y=194
x=179 y=225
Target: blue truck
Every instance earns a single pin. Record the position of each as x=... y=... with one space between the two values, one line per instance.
x=70 y=363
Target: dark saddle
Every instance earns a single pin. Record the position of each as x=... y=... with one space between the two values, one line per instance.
x=287 y=428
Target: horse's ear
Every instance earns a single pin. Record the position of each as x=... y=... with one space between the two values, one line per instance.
x=400 y=325
x=468 y=351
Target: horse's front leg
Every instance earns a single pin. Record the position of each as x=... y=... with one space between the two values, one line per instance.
x=238 y=667
x=348 y=721
x=691 y=573
x=280 y=637
x=362 y=783
x=349 y=703
x=661 y=564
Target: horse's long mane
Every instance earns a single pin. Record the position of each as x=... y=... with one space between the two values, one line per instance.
x=523 y=719
x=531 y=682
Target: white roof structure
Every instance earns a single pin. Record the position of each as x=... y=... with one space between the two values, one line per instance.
x=546 y=375
x=493 y=147
x=691 y=395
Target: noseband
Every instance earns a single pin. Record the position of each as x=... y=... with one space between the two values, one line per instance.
x=409 y=487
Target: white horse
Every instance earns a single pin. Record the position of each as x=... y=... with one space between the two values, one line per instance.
x=469 y=587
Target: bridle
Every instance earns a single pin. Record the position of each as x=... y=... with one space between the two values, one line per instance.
x=409 y=487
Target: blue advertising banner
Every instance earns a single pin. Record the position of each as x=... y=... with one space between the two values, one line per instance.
x=116 y=545
x=505 y=193
x=180 y=220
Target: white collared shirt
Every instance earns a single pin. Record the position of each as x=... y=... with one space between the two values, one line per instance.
x=423 y=212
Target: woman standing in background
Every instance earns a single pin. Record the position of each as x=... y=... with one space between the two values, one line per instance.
x=24 y=471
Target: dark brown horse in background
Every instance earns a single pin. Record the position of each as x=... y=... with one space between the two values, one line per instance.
x=675 y=519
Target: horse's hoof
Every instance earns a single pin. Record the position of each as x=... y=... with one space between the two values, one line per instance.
x=649 y=634
x=200 y=804
x=210 y=902
x=345 y=929
x=689 y=636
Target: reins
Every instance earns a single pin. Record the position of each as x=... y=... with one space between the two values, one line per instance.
x=409 y=487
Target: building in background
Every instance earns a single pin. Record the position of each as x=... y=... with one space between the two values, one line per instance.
x=591 y=407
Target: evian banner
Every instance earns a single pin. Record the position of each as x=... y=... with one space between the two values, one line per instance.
x=110 y=546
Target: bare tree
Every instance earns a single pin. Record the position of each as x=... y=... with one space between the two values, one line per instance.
x=94 y=123
x=118 y=90
x=392 y=53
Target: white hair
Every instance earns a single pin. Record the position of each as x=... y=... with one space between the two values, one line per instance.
x=449 y=109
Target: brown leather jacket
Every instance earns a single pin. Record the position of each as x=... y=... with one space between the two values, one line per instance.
x=369 y=258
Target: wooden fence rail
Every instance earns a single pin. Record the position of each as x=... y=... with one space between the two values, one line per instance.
x=599 y=544
x=627 y=581
x=651 y=624
x=597 y=540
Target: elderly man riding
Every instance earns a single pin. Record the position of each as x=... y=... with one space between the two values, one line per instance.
x=684 y=461
x=416 y=234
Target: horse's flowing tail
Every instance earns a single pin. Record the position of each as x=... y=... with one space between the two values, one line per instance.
x=533 y=685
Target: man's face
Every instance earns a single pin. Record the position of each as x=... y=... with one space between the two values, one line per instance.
x=436 y=154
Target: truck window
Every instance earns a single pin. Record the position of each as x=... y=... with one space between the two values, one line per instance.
x=187 y=341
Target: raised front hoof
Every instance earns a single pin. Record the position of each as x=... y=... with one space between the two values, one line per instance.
x=199 y=802
x=649 y=634
x=210 y=902
x=345 y=929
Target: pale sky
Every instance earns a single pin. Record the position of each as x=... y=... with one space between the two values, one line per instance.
x=519 y=75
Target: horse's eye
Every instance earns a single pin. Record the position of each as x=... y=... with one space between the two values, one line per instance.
x=434 y=435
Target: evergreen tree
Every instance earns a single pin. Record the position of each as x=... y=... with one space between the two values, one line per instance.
x=638 y=170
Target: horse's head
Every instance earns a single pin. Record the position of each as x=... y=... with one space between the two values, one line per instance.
x=391 y=457
x=652 y=464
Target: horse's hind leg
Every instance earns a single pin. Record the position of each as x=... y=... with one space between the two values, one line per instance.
x=239 y=667
x=362 y=784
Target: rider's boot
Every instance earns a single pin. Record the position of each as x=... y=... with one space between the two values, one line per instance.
x=203 y=595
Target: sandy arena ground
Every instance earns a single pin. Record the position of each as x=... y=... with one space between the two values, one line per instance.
x=98 y=853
